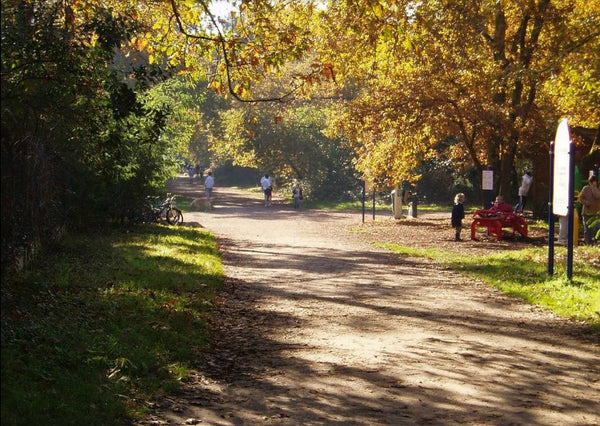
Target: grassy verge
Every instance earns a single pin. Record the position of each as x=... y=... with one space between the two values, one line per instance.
x=524 y=274
x=102 y=321
x=183 y=203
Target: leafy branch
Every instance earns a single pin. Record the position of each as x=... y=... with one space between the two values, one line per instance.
x=222 y=42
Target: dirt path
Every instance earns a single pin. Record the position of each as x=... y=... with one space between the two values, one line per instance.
x=316 y=327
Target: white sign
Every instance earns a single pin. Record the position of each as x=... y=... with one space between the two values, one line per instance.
x=562 y=175
x=487 y=180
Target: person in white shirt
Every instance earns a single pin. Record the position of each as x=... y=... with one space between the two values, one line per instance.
x=209 y=184
x=523 y=192
x=267 y=186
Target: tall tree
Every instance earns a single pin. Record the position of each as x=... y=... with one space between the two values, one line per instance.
x=290 y=143
x=433 y=69
x=77 y=142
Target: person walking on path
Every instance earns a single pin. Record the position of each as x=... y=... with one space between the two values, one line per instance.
x=523 y=192
x=267 y=186
x=191 y=172
x=297 y=195
x=209 y=184
x=590 y=199
x=458 y=214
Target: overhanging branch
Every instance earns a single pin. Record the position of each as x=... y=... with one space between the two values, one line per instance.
x=221 y=41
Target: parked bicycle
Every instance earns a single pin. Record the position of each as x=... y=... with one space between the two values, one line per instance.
x=157 y=209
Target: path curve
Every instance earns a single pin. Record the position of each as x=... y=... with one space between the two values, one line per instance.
x=317 y=328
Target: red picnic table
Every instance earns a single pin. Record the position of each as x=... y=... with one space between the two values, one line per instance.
x=494 y=222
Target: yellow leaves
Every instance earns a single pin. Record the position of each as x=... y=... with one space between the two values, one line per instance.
x=217 y=86
x=378 y=10
x=242 y=91
x=139 y=43
x=388 y=157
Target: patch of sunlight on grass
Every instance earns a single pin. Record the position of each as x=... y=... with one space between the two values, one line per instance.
x=524 y=274
x=111 y=319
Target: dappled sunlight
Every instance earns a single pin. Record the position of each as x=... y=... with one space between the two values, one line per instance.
x=416 y=359
x=413 y=376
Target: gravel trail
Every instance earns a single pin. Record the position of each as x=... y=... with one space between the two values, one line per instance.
x=318 y=327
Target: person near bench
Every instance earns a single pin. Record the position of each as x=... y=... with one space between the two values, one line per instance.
x=500 y=206
x=590 y=200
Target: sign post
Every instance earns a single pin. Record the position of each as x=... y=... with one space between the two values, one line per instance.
x=373 y=199
x=487 y=185
x=370 y=187
x=551 y=214
x=562 y=187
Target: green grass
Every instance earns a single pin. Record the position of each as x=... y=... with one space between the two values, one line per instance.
x=381 y=204
x=183 y=203
x=100 y=322
x=523 y=274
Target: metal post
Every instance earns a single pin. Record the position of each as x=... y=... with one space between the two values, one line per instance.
x=571 y=211
x=373 y=201
x=362 y=184
x=551 y=214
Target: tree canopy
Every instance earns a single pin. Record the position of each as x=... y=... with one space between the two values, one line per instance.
x=481 y=71
x=493 y=76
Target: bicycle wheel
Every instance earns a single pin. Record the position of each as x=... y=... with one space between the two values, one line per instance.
x=148 y=216
x=174 y=216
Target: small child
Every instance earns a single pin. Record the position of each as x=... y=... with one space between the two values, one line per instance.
x=458 y=214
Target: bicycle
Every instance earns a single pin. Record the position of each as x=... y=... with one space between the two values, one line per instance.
x=157 y=209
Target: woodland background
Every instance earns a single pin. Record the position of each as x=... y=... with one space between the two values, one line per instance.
x=103 y=101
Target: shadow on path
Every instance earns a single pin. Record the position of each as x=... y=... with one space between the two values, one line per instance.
x=315 y=329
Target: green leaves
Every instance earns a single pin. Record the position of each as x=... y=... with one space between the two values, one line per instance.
x=74 y=120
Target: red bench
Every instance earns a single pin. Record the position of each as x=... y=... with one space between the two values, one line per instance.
x=495 y=221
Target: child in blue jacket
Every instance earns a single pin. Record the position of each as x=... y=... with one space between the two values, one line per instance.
x=458 y=214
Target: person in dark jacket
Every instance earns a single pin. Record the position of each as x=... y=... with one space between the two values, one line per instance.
x=297 y=195
x=458 y=214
